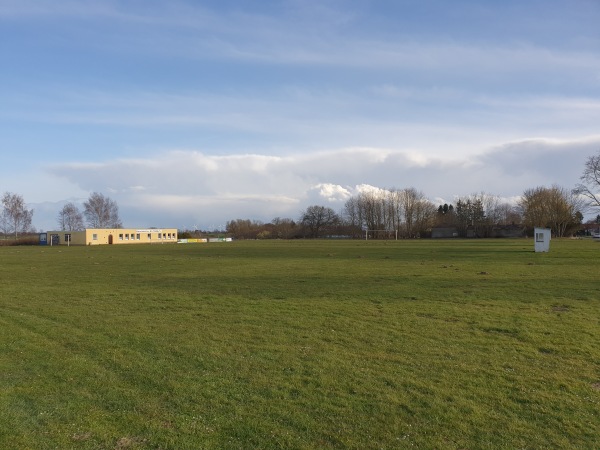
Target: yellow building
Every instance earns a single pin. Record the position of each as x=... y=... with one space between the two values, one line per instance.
x=99 y=236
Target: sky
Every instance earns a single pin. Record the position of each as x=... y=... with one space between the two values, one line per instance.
x=192 y=113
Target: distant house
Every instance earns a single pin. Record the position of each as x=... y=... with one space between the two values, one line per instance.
x=499 y=231
x=589 y=229
x=444 y=232
x=114 y=236
x=507 y=231
x=472 y=233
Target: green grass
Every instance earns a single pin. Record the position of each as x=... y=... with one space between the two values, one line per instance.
x=301 y=344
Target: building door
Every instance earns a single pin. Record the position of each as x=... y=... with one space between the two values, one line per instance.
x=110 y=239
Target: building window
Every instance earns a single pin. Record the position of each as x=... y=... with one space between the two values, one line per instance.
x=120 y=236
x=149 y=236
x=164 y=235
x=137 y=236
x=94 y=237
x=539 y=237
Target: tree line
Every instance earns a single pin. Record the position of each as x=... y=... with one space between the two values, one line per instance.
x=99 y=212
x=376 y=213
x=407 y=213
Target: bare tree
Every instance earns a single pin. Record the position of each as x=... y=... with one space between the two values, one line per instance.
x=16 y=218
x=373 y=210
x=283 y=228
x=353 y=217
x=423 y=217
x=417 y=211
x=479 y=213
x=101 y=212
x=4 y=224
x=553 y=207
x=70 y=218
x=406 y=211
x=589 y=187
x=318 y=218
x=392 y=202
x=565 y=210
x=533 y=207
x=491 y=206
x=507 y=214
x=244 y=228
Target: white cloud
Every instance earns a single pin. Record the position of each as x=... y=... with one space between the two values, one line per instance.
x=332 y=192
x=368 y=189
x=189 y=186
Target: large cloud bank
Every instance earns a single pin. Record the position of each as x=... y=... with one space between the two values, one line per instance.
x=189 y=188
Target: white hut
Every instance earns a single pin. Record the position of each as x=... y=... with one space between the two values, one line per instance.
x=542 y=239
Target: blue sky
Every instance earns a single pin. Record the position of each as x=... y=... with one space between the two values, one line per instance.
x=191 y=113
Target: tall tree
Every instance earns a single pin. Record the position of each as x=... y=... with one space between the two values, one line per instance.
x=70 y=218
x=479 y=212
x=353 y=216
x=283 y=227
x=101 y=212
x=553 y=207
x=382 y=211
x=316 y=219
x=507 y=214
x=16 y=218
x=589 y=187
x=446 y=215
x=244 y=228
x=418 y=212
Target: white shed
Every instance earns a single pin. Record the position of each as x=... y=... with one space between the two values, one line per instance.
x=542 y=239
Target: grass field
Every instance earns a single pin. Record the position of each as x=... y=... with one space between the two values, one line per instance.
x=301 y=344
